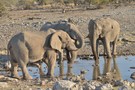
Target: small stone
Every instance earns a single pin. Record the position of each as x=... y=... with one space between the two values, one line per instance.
x=106 y=87
x=132 y=75
x=11 y=79
x=48 y=89
x=43 y=83
x=132 y=84
x=119 y=83
x=83 y=71
x=2 y=76
x=125 y=88
x=3 y=84
x=65 y=85
x=30 y=88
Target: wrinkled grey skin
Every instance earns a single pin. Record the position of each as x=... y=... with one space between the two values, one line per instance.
x=73 y=32
x=107 y=30
x=29 y=47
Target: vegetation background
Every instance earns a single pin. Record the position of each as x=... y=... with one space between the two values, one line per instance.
x=35 y=4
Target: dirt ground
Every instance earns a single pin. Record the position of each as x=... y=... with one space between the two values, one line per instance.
x=17 y=21
x=23 y=20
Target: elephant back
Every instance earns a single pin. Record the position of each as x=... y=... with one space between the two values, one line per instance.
x=59 y=25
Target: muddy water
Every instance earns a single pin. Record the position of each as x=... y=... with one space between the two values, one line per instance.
x=120 y=66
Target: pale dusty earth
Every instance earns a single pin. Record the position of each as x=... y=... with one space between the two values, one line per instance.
x=16 y=21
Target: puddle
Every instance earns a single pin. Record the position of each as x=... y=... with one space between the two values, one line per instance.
x=120 y=66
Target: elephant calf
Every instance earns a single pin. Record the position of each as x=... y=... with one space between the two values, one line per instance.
x=107 y=30
x=29 y=47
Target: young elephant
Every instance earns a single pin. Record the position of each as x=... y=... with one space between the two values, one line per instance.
x=29 y=47
x=73 y=32
x=107 y=30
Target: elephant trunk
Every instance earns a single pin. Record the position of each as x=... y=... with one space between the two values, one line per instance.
x=79 y=41
x=94 y=49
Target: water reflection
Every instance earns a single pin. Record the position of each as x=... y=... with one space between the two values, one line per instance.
x=110 y=70
x=120 y=66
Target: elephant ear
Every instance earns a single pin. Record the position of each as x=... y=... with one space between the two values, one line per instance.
x=55 y=42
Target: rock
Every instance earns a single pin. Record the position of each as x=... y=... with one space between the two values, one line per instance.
x=2 y=76
x=132 y=75
x=92 y=85
x=125 y=88
x=126 y=83
x=105 y=87
x=89 y=87
x=66 y=85
x=83 y=71
x=43 y=83
x=74 y=78
x=7 y=65
x=132 y=84
x=48 y=89
x=11 y=79
x=118 y=83
x=3 y=84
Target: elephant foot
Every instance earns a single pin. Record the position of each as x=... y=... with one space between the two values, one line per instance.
x=42 y=74
x=96 y=62
x=27 y=78
x=109 y=57
x=49 y=75
x=114 y=54
x=15 y=76
x=62 y=75
x=69 y=74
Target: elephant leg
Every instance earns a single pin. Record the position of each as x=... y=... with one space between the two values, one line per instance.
x=104 y=47
x=60 y=57
x=39 y=65
x=107 y=46
x=24 y=70
x=114 y=47
x=14 y=67
x=71 y=61
x=51 y=54
x=96 y=72
x=61 y=65
x=97 y=43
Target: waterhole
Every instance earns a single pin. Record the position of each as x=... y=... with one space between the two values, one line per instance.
x=122 y=66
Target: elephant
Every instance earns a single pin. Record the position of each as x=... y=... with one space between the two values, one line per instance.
x=73 y=32
x=107 y=30
x=33 y=46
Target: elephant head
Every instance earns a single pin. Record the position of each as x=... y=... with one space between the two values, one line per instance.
x=70 y=28
x=60 y=40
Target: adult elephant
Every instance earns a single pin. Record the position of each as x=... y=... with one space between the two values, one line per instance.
x=73 y=32
x=107 y=30
x=32 y=46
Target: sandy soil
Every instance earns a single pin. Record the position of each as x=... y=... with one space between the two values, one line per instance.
x=17 y=21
